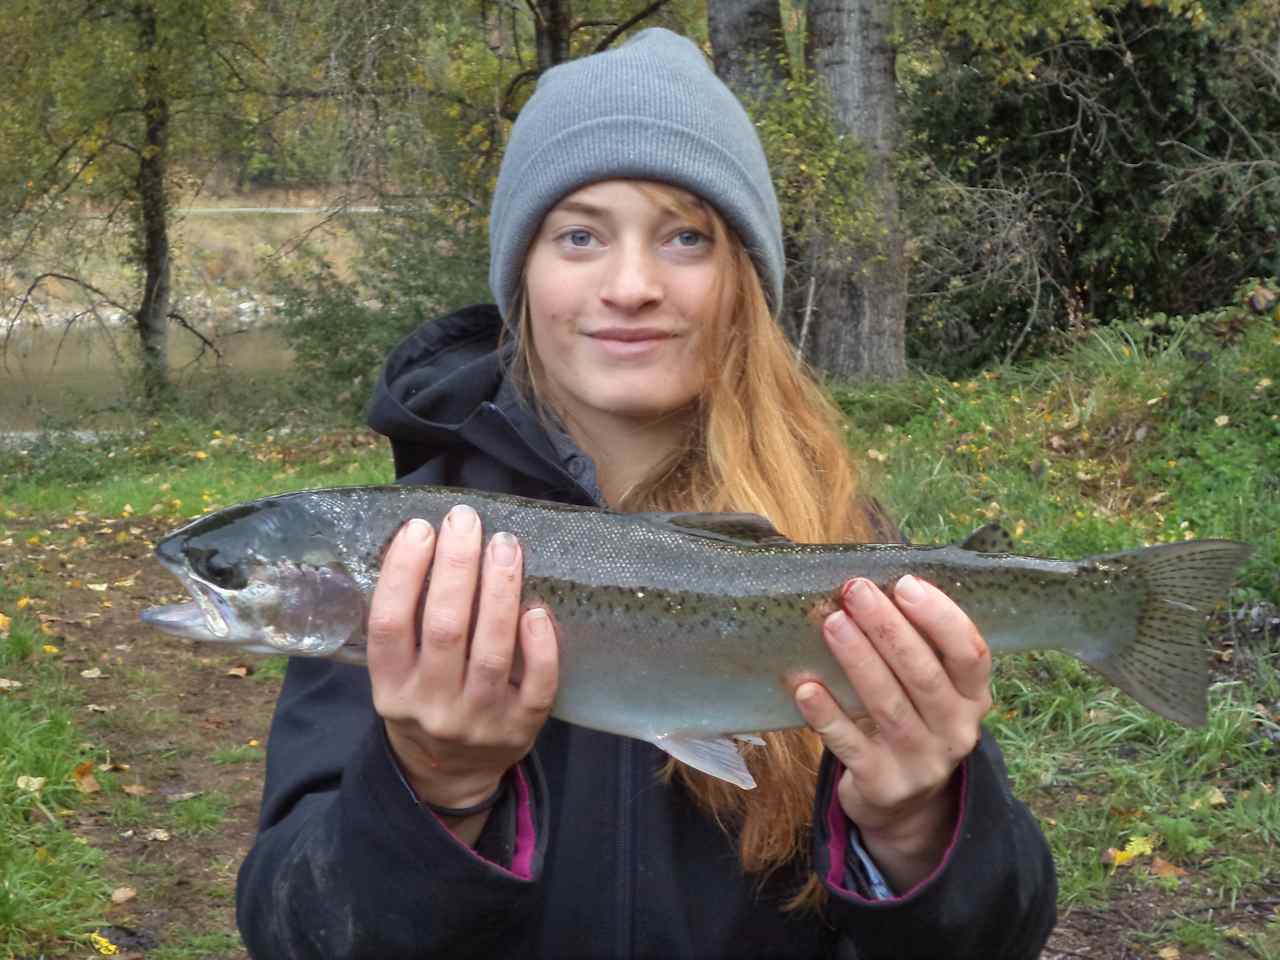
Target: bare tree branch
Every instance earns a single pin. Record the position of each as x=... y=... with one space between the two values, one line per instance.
x=626 y=25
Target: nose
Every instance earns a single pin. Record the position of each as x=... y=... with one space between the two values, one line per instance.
x=633 y=280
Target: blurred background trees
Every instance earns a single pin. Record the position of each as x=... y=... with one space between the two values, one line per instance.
x=960 y=181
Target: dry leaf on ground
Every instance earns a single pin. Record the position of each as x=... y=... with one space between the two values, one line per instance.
x=86 y=782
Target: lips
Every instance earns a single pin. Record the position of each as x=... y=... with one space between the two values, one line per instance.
x=631 y=334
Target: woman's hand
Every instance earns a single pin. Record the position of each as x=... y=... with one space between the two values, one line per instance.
x=441 y=678
x=923 y=673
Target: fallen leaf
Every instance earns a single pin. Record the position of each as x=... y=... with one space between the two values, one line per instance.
x=32 y=784
x=1235 y=933
x=6 y=684
x=136 y=789
x=43 y=855
x=49 y=648
x=5 y=623
x=86 y=782
x=179 y=797
x=93 y=673
x=1163 y=868
x=123 y=894
x=23 y=602
x=99 y=708
x=1216 y=798
x=1168 y=953
x=156 y=834
x=97 y=587
x=239 y=670
x=1222 y=420
x=112 y=767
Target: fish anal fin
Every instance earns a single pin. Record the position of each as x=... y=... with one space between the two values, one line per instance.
x=746 y=529
x=717 y=756
x=991 y=538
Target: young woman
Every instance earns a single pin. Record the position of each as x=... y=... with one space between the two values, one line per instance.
x=430 y=808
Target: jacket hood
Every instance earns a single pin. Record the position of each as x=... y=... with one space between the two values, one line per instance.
x=443 y=391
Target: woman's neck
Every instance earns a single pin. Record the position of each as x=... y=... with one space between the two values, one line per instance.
x=625 y=454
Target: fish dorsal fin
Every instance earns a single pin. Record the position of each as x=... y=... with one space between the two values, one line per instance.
x=991 y=538
x=745 y=529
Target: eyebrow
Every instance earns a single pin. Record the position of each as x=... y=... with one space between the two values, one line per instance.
x=579 y=206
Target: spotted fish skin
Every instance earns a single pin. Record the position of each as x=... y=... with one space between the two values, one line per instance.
x=682 y=628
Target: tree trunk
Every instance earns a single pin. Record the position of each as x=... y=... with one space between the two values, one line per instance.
x=859 y=317
x=747 y=46
x=552 y=29
x=153 y=220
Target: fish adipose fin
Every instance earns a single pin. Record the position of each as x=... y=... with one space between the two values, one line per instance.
x=744 y=529
x=1165 y=665
x=718 y=757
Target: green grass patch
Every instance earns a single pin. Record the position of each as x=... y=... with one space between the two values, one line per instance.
x=177 y=469
x=202 y=946
x=203 y=813
x=50 y=884
x=241 y=753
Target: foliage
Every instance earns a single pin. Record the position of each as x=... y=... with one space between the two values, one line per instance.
x=441 y=142
x=1141 y=432
x=819 y=176
x=1109 y=161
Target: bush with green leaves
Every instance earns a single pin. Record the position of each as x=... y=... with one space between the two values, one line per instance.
x=1110 y=172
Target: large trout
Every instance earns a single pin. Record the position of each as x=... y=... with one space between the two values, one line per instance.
x=687 y=629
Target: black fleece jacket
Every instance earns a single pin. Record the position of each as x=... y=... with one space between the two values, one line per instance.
x=589 y=854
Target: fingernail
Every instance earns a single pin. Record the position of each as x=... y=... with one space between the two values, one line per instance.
x=538 y=620
x=462 y=517
x=419 y=531
x=504 y=549
x=909 y=589
x=860 y=595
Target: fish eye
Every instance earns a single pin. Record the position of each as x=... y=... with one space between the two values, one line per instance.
x=218 y=571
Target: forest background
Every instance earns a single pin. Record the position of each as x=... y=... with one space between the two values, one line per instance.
x=959 y=181
x=1031 y=248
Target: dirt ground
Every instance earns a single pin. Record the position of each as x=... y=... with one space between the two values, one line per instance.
x=186 y=721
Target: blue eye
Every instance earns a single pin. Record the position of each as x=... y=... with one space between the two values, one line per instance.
x=690 y=238
x=578 y=238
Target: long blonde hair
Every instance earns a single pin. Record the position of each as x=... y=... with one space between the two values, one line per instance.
x=765 y=439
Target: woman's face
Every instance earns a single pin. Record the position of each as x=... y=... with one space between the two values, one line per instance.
x=619 y=289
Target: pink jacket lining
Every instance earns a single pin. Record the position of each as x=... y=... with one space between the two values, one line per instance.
x=838 y=843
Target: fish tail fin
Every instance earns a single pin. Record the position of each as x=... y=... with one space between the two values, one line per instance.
x=1164 y=665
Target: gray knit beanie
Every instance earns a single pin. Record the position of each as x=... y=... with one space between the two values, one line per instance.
x=650 y=110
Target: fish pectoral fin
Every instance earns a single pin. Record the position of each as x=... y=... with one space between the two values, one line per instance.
x=718 y=757
x=744 y=529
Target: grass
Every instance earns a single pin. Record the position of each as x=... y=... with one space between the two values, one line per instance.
x=201 y=814
x=241 y=753
x=1128 y=439
x=176 y=470
x=50 y=886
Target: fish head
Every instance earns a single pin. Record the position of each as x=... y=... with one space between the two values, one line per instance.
x=265 y=576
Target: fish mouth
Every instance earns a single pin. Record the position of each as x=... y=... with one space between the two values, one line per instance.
x=202 y=619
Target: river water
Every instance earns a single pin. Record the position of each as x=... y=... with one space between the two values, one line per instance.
x=47 y=374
